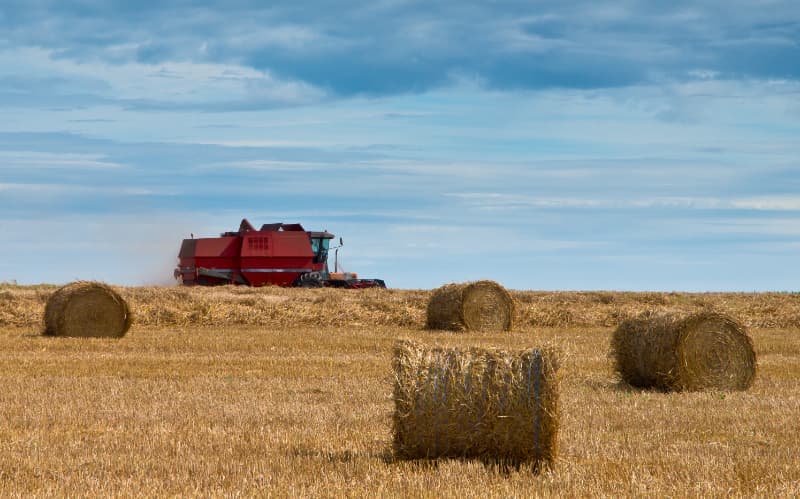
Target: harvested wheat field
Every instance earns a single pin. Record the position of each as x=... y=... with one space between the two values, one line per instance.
x=273 y=392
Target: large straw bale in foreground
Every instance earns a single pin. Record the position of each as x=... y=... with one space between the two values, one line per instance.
x=476 y=306
x=87 y=309
x=478 y=403
x=676 y=352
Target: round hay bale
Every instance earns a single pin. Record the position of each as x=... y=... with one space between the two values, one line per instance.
x=87 y=309
x=472 y=306
x=487 y=404
x=684 y=352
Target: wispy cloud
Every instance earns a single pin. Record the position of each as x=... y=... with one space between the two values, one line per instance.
x=53 y=191
x=38 y=188
x=267 y=165
x=785 y=227
x=137 y=84
x=499 y=201
x=27 y=160
x=769 y=203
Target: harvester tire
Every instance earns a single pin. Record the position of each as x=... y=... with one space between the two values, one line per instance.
x=310 y=283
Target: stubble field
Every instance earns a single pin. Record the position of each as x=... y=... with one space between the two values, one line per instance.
x=271 y=392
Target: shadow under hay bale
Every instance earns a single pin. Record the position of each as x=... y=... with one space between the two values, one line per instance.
x=87 y=309
x=496 y=406
x=473 y=306
x=684 y=352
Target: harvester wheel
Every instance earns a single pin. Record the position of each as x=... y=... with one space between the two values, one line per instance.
x=310 y=283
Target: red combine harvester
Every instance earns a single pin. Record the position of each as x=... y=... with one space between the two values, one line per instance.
x=277 y=254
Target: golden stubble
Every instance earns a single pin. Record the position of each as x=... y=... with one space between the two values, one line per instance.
x=281 y=409
x=24 y=306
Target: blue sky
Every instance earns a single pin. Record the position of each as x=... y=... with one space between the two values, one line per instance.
x=547 y=145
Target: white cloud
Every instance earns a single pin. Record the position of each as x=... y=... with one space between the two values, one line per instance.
x=772 y=227
x=26 y=188
x=267 y=165
x=45 y=160
x=188 y=83
x=460 y=170
x=777 y=203
x=54 y=190
x=704 y=74
x=293 y=37
x=699 y=203
x=255 y=142
x=244 y=36
x=493 y=200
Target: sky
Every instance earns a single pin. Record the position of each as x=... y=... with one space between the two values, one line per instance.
x=547 y=145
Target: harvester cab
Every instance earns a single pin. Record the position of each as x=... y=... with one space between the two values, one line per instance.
x=277 y=254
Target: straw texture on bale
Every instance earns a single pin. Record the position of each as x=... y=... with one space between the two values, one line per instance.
x=684 y=352
x=472 y=306
x=87 y=309
x=485 y=404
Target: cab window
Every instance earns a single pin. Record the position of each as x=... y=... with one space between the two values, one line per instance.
x=320 y=248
